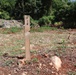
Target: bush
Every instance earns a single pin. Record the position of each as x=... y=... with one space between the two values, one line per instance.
x=69 y=25
x=34 y=23
x=4 y=15
x=46 y=20
x=58 y=24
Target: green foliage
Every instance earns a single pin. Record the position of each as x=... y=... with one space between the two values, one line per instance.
x=12 y=30
x=8 y=62
x=34 y=60
x=6 y=8
x=46 y=7
x=35 y=8
x=43 y=28
x=44 y=12
x=71 y=73
x=58 y=24
x=33 y=51
x=46 y=20
x=34 y=23
x=65 y=11
x=4 y=14
x=23 y=7
x=15 y=29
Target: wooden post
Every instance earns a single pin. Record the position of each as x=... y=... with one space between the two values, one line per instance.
x=27 y=36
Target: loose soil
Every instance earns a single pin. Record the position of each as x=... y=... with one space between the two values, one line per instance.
x=45 y=45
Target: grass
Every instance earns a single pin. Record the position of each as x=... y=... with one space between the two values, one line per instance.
x=34 y=60
x=10 y=30
x=63 y=45
x=17 y=52
x=50 y=42
x=8 y=62
x=75 y=65
x=13 y=45
x=33 y=51
x=42 y=29
x=16 y=29
x=72 y=73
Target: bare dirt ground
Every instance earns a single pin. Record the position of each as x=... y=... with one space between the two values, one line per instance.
x=43 y=45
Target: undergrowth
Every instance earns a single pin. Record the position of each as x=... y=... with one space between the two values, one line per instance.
x=10 y=30
x=42 y=29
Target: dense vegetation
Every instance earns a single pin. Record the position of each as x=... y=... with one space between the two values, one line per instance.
x=59 y=13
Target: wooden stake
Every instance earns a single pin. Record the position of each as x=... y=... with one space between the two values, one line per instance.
x=27 y=36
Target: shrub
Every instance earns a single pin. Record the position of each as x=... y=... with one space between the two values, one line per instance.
x=46 y=20
x=58 y=24
x=69 y=25
x=34 y=23
x=4 y=15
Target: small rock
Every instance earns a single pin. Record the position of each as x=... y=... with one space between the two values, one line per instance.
x=23 y=48
x=53 y=72
x=9 y=74
x=50 y=64
x=24 y=73
x=32 y=46
x=56 y=61
x=44 y=65
x=21 y=63
x=45 y=55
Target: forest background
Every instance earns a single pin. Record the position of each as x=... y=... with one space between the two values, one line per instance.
x=57 y=13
